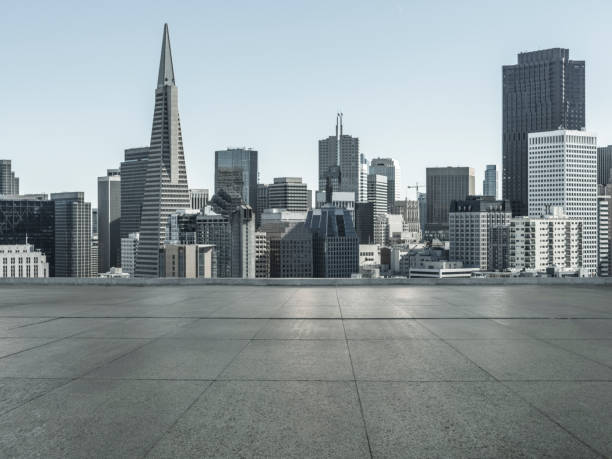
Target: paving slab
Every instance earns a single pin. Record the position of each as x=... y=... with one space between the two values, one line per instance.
x=411 y=360
x=58 y=328
x=10 y=346
x=301 y=329
x=170 y=358
x=67 y=358
x=14 y=392
x=530 y=360
x=470 y=329
x=220 y=329
x=291 y=419
x=562 y=328
x=599 y=350
x=89 y=418
x=385 y=329
x=136 y=328
x=291 y=359
x=460 y=420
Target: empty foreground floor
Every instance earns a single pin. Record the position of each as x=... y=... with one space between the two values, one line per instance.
x=307 y=372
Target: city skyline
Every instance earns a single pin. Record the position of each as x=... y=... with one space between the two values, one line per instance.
x=293 y=137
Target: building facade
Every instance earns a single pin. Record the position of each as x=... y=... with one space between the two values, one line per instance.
x=544 y=91
x=72 y=235
x=262 y=255
x=563 y=173
x=604 y=230
x=29 y=219
x=236 y=170
x=390 y=168
x=604 y=165
x=277 y=224
x=165 y=188
x=190 y=261
x=295 y=249
x=288 y=193
x=444 y=185
x=471 y=223
x=129 y=251
x=9 y=184
x=22 y=261
x=550 y=241
x=109 y=221
x=133 y=172
x=377 y=193
x=198 y=198
x=489 y=184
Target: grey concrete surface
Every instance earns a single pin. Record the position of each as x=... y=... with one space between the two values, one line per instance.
x=362 y=370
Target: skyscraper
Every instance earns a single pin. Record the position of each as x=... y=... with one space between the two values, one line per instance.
x=444 y=185
x=339 y=156
x=236 y=170
x=563 y=173
x=109 y=218
x=288 y=193
x=544 y=91
x=604 y=165
x=133 y=171
x=390 y=168
x=489 y=184
x=9 y=184
x=377 y=193
x=198 y=198
x=72 y=235
x=165 y=188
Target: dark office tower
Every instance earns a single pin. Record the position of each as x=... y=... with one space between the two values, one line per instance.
x=263 y=202
x=236 y=169
x=364 y=222
x=543 y=92
x=32 y=218
x=133 y=171
x=288 y=193
x=340 y=153
x=94 y=222
x=109 y=217
x=9 y=184
x=604 y=165
x=444 y=185
x=72 y=235
x=165 y=188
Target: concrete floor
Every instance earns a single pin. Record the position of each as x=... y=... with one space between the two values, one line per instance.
x=217 y=371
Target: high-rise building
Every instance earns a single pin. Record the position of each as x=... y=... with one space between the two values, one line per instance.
x=263 y=202
x=278 y=224
x=444 y=185
x=109 y=220
x=94 y=222
x=296 y=256
x=422 y=200
x=604 y=205
x=335 y=246
x=198 y=198
x=489 y=184
x=364 y=222
x=471 y=222
x=165 y=188
x=9 y=184
x=548 y=241
x=23 y=260
x=377 y=193
x=563 y=173
x=604 y=165
x=133 y=172
x=262 y=255
x=288 y=193
x=93 y=261
x=409 y=210
x=339 y=158
x=390 y=168
x=544 y=91
x=364 y=171
x=29 y=219
x=340 y=199
x=72 y=235
x=129 y=250
x=236 y=170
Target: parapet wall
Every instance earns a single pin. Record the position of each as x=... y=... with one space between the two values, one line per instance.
x=594 y=281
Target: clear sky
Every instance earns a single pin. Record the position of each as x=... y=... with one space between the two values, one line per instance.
x=419 y=81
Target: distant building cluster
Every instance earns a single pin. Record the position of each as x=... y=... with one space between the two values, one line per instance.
x=545 y=213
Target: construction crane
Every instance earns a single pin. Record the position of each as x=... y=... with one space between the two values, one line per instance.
x=415 y=186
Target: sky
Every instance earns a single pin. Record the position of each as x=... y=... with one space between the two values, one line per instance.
x=419 y=81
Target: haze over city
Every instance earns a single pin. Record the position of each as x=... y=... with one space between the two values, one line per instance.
x=417 y=82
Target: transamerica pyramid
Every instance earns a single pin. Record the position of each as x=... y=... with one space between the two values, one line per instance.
x=165 y=188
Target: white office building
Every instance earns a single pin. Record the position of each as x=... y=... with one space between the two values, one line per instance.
x=562 y=171
x=550 y=241
x=22 y=261
x=129 y=250
x=603 y=235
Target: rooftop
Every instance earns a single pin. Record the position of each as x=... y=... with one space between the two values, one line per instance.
x=288 y=371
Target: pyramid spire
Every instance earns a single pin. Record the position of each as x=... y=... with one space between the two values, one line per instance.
x=166 y=70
